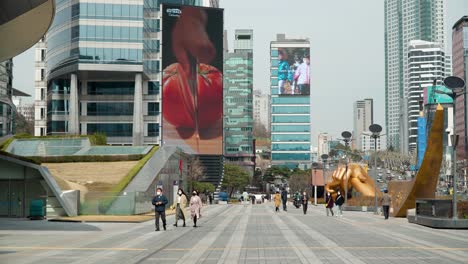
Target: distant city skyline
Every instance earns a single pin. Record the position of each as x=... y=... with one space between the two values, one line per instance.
x=343 y=69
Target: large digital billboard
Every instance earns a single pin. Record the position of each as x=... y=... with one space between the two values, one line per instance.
x=293 y=71
x=192 y=86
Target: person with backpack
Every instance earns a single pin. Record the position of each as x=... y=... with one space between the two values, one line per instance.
x=339 y=202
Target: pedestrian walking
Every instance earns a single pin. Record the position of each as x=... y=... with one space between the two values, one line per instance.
x=339 y=202
x=329 y=204
x=277 y=199
x=159 y=202
x=180 y=204
x=210 y=197
x=195 y=207
x=305 y=201
x=386 y=200
x=284 y=198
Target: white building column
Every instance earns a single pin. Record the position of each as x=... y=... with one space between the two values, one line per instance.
x=73 y=116
x=138 y=111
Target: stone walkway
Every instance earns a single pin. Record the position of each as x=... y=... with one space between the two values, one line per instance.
x=236 y=234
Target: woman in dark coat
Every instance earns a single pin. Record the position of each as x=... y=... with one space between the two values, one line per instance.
x=339 y=202
x=329 y=204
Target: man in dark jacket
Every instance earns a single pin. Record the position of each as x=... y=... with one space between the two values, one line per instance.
x=284 y=198
x=159 y=202
x=304 y=201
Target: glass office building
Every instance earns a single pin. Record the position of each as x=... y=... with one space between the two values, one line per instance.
x=103 y=70
x=238 y=102
x=290 y=107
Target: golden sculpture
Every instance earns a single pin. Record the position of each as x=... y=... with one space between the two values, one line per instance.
x=424 y=185
x=355 y=177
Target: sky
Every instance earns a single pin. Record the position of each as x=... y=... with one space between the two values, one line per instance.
x=346 y=51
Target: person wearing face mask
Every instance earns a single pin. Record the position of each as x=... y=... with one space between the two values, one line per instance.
x=159 y=202
x=305 y=201
x=339 y=202
x=195 y=207
x=329 y=204
x=179 y=205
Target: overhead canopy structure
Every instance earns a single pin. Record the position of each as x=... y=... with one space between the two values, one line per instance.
x=22 y=24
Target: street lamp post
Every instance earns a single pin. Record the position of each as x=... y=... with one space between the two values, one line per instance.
x=346 y=138
x=324 y=160
x=457 y=85
x=315 y=165
x=375 y=129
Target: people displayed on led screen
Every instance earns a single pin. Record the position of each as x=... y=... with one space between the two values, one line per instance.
x=293 y=71
x=301 y=77
x=284 y=73
x=192 y=78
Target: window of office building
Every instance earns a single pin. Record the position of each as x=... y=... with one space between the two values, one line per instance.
x=57 y=126
x=153 y=129
x=111 y=88
x=153 y=109
x=291 y=119
x=110 y=109
x=291 y=128
x=153 y=88
x=59 y=86
x=290 y=137
x=290 y=156
x=293 y=147
x=111 y=129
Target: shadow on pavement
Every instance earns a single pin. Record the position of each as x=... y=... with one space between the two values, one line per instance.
x=43 y=225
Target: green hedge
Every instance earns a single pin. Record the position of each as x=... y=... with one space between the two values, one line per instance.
x=28 y=159
x=5 y=144
x=88 y=158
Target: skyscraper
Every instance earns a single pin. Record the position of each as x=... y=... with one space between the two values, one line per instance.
x=363 y=118
x=405 y=21
x=459 y=51
x=103 y=71
x=290 y=102
x=427 y=62
x=238 y=101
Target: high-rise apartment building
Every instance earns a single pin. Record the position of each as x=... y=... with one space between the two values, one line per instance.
x=40 y=89
x=426 y=62
x=363 y=118
x=290 y=102
x=460 y=69
x=103 y=70
x=261 y=111
x=238 y=102
x=405 y=21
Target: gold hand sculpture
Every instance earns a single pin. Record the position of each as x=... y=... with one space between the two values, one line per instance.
x=355 y=177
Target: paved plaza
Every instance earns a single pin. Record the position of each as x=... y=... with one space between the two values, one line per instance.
x=235 y=234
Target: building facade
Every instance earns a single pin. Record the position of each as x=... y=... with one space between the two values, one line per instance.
x=460 y=69
x=405 y=21
x=323 y=146
x=290 y=108
x=40 y=89
x=368 y=143
x=427 y=62
x=261 y=110
x=103 y=71
x=238 y=102
x=7 y=109
x=363 y=118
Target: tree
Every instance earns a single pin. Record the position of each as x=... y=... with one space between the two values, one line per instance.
x=24 y=126
x=235 y=178
x=271 y=173
x=299 y=181
x=260 y=131
x=195 y=172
